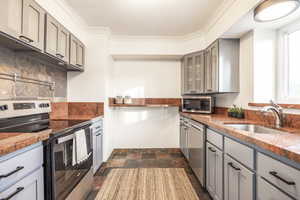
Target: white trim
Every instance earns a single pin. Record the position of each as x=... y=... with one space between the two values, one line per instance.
x=282 y=70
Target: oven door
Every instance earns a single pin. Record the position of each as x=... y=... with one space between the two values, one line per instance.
x=68 y=171
x=198 y=104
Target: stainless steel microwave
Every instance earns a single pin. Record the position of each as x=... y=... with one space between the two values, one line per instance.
x=198 y=104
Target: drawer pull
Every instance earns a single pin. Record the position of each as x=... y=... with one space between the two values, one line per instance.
x=212 y=150
x=11 y=173
x=18 y=190
x=275 y=174
x=25 y=39
x=234 y=167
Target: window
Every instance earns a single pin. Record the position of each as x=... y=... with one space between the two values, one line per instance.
x=289 y=64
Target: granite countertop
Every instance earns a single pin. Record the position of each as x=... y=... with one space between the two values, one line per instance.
x=10 y=142
x=285 y=144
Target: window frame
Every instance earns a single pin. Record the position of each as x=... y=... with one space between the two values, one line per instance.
x=282 y=69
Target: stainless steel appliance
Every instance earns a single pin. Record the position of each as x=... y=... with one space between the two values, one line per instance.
x=196 y=148
x=198 y=104
x=67 y=153
x=97 y=132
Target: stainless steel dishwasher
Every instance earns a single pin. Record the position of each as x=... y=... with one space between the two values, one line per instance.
x=196 y=147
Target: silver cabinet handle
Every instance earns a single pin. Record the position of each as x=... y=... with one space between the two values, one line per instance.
x=60 y=55
x=275 y=174
x=12 y=172
x=18 y=190
x=25 y=39
x=234 y=167
x=212 y=150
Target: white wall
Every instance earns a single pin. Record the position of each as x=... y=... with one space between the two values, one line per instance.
x=144 y=127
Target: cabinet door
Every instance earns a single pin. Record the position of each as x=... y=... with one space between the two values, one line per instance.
x=215 y=66
x=52 y=35
x=33 y=24
x=63 y=44
x=99 y=150
x=11 y=17
x=73 y=50
x=80 y=54
x=189 y=75
x=238 y=181
x=30 y=187
x=214 y=175
x=199 y=72
x=208 y=72
x=266 y=191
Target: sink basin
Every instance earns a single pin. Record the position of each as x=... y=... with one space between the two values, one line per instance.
x=254 y=128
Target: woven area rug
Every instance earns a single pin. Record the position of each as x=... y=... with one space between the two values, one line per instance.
x=147 y=184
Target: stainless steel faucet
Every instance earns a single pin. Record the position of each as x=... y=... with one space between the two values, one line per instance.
x=277 y=109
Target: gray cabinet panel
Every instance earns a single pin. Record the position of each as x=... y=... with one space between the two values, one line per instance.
x=33 y=23
x=266 y=191
x=63 y=44
x=214 y=172
x=11 y=17
x=193 y=73
x=31 y=187
x=199 y=73
x=77 y=52
x=52 y=34
x=57 y=40
x=238 y=181
x=211 y=68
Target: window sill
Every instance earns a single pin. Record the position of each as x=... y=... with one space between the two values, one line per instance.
x=288 y=106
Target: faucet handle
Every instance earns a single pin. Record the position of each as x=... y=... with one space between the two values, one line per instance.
x=275 y=105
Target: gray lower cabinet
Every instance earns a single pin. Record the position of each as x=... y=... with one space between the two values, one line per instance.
x=266 y=191
x=31 y=188
x=57 y=39
x=23 y=20
x=238 y=181
x=214 y=171
x=77 y=52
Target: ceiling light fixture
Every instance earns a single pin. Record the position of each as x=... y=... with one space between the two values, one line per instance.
x=270 y=10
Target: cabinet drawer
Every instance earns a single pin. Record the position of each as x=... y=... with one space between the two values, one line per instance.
x=242 y=153
x=20 y=166
x=215 y=138
x=29 y=188
x=283 y=176
x=266 y=191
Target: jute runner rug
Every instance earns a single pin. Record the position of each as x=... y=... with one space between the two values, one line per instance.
x=147 y=184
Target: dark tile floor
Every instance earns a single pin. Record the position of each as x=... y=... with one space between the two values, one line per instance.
x=146 y=158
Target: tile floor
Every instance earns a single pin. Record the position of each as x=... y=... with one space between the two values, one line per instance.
x=146 y=158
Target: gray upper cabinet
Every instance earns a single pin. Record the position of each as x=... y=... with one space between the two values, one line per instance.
x=33 y=24
x=77 y=52
x=57 y=39
x=215 y=70
x=23 y=20
x=11 y=17
x=222 y=66
x=193 y=73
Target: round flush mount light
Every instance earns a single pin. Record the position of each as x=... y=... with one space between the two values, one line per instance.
x=270 y=10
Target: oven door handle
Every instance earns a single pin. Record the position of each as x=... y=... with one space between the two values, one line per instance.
x=65 y=139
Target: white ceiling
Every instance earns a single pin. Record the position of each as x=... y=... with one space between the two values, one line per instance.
x=146 y=17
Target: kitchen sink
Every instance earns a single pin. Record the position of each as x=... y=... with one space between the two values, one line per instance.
x=254 y=128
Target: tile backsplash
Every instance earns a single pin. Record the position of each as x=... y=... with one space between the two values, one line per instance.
x=29 y=66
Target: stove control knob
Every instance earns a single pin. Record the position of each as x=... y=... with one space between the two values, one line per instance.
x=3 y=108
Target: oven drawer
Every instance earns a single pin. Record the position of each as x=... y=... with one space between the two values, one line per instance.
x=19 y=166
x=283 y=176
